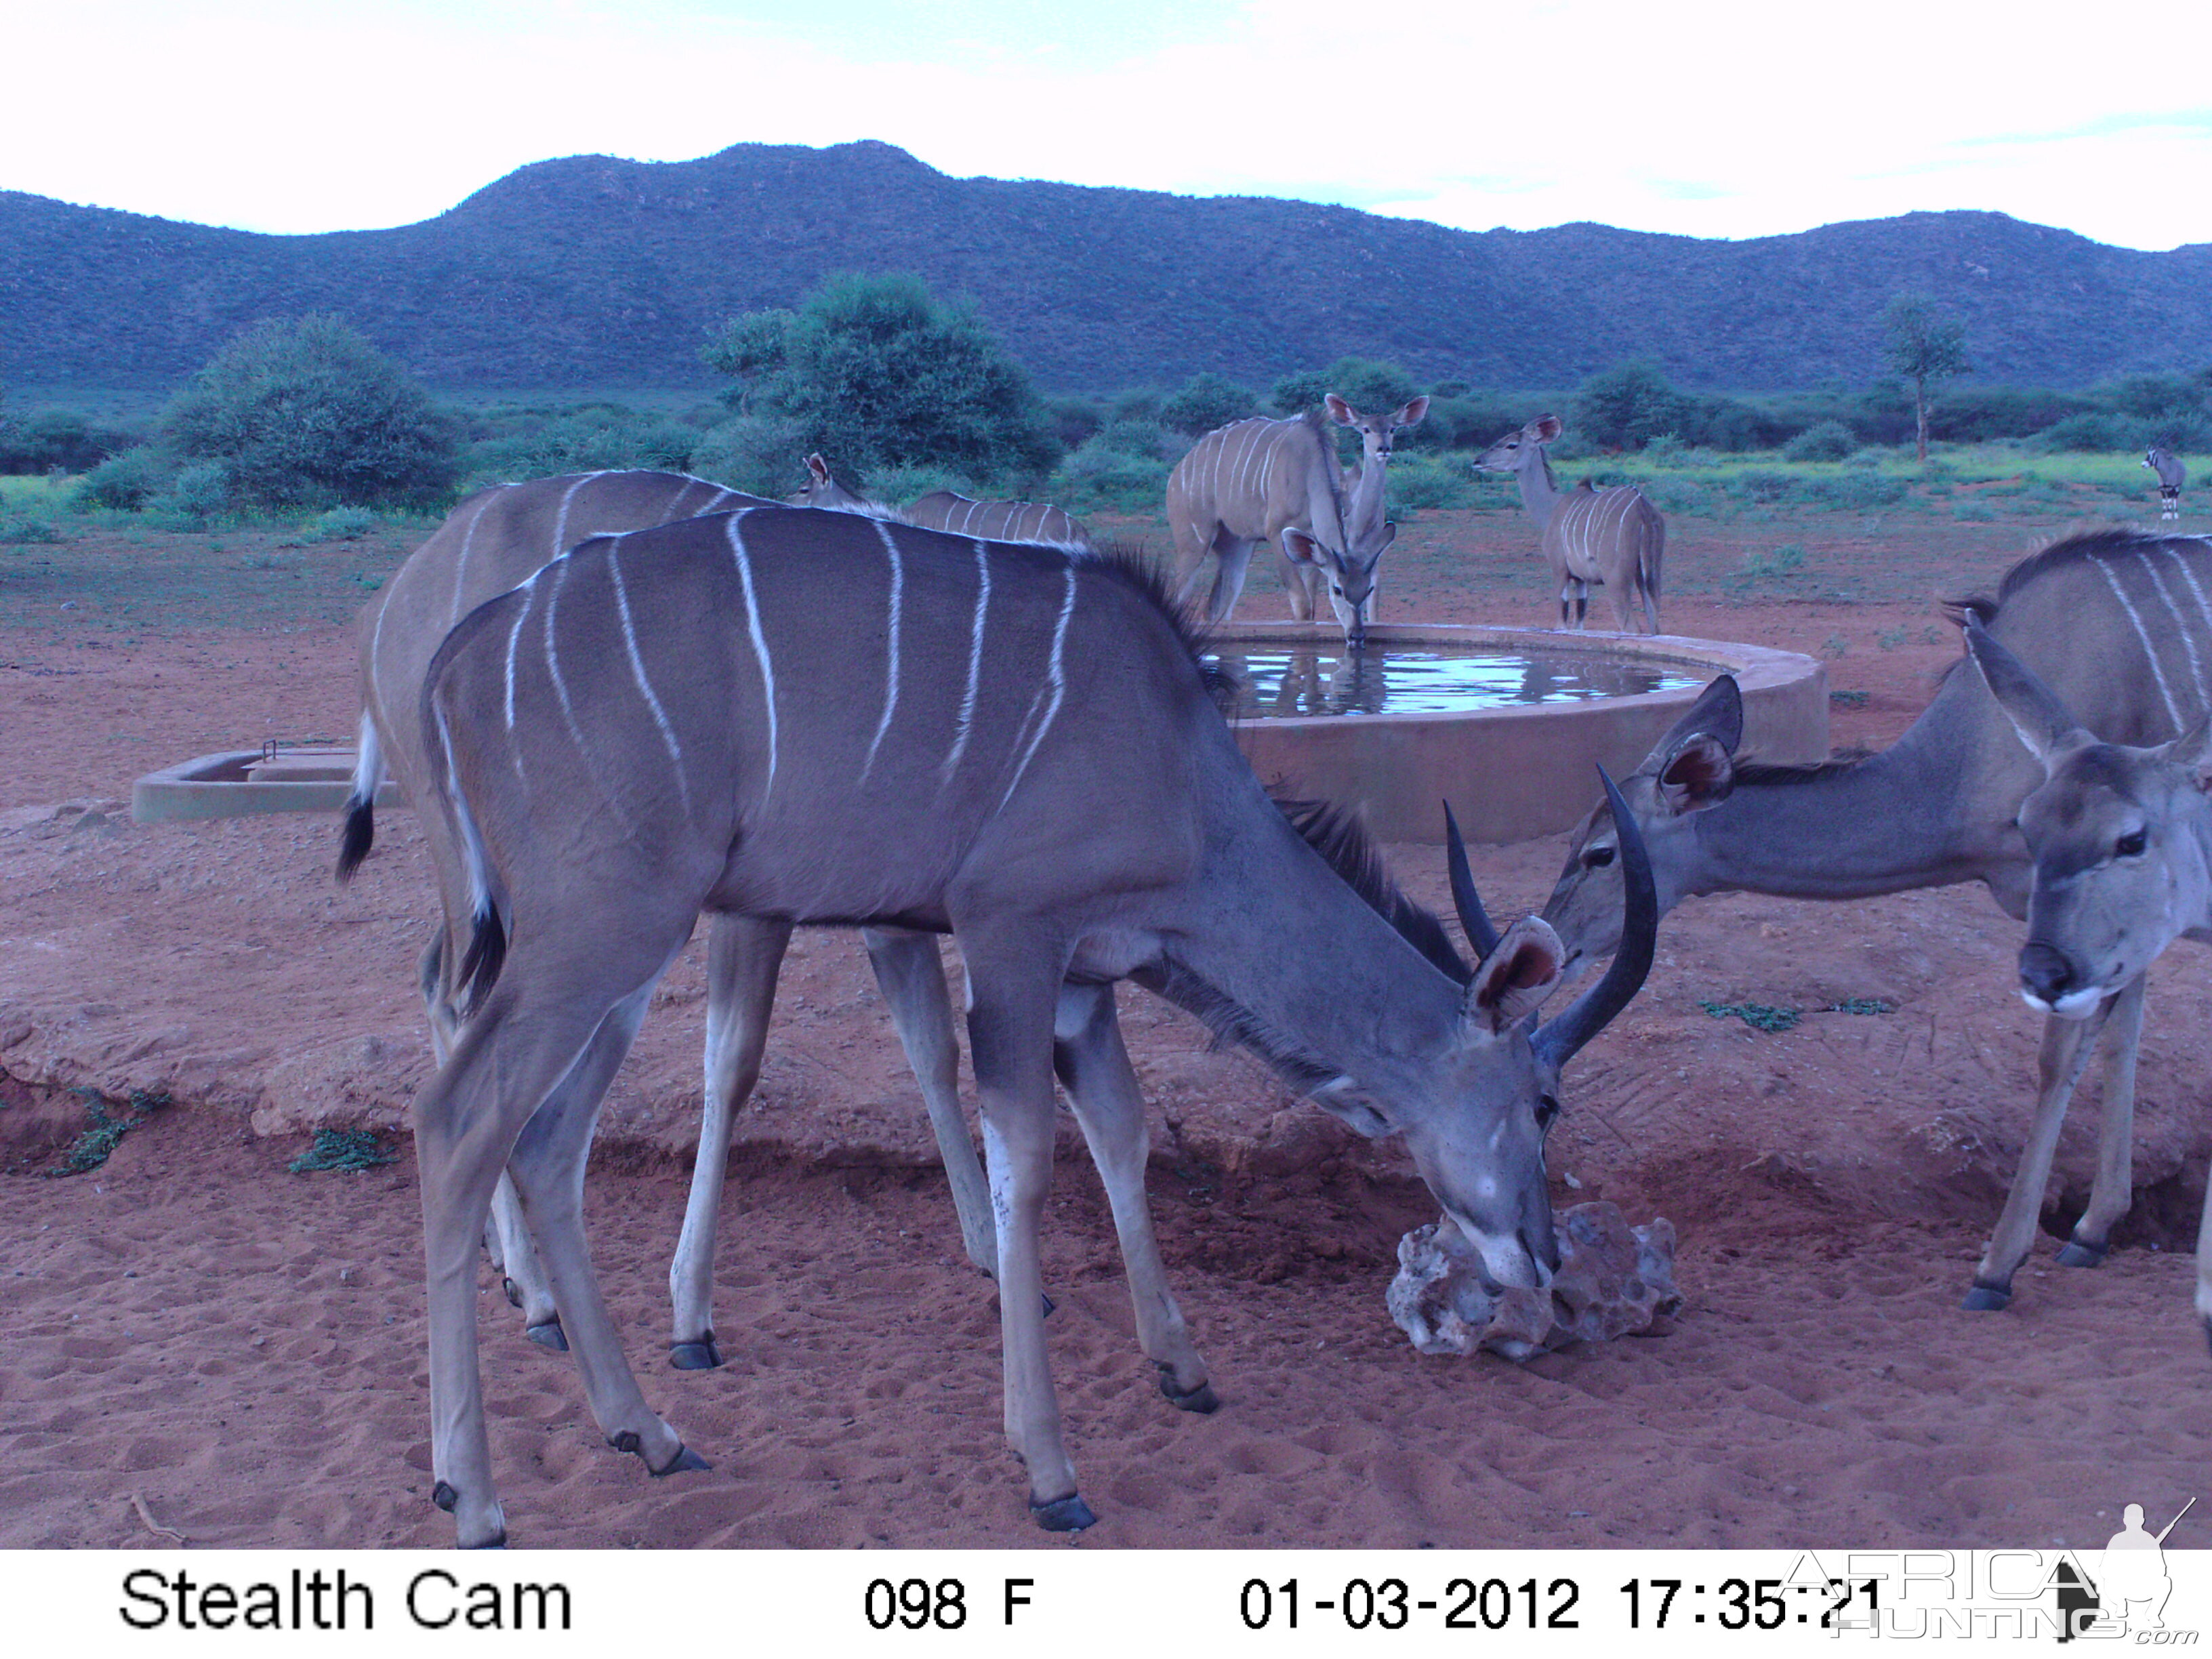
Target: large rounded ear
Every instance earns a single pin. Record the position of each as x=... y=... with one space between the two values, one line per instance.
x=1698 y=773
x=1412 y=413
x=1717 y=714
x=2044 y=724
x=1544 y=429
x=1339 y=411
x=1300 y=548
x=2192 y=749
x=819 y=469
x=1515 y=979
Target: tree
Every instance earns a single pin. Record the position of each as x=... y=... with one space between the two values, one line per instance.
x=305 y=412
x=1205 y=401
x=1626 y=406
x=875 y=372
x=1925 y=350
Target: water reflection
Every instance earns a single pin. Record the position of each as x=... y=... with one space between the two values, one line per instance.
x=1282 y=681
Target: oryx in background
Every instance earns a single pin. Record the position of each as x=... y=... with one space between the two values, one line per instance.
x=1258 y=479
x=944 y=509
x=2121 y=840
x=491 y=541
x=2172 y=475
x=2119 y=624
x=816 y=717
x=1613 y=537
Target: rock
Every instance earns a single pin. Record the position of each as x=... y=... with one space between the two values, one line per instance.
x=1613 y=1278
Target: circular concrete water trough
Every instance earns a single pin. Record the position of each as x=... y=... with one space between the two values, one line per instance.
x=1511 y=768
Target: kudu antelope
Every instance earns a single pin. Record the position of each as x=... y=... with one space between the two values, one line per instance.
x=2119 y=624
x=943 y=509
x=1613 y=538
x=2172 y=475
x=2121 y=838
x=490 y=544
x=814 y=718
x=1252 y=480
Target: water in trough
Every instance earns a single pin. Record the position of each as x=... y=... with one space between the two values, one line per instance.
x=1284 y=681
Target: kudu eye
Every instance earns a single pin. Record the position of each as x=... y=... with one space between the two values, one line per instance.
x=1597 y=858
x=1547 y=1109
x=2131 y=844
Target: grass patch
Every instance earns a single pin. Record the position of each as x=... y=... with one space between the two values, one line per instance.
x=106 y=1131
x=1850 y=699
x=351 y=1150
x=1861 y=1006
x=1760 y=1016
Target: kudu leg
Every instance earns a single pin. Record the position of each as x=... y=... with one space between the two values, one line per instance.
x=744 y=956
x=1234 y=554
x=2066 y=1047
x=910 y=973
x=2204 y=1269
x=1102 y=1086
x=548 y=1163
x=2115 y=1190
x=1013 y=989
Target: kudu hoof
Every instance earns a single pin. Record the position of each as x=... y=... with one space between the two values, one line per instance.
x=514 y=1292
x=550 y=1335
x=444 y=1497
x=1068 y=1514
x=684 y=1463
x=1201 y=1399
x=2078 y=1254
x=699 y=1356
x=1987 y=1298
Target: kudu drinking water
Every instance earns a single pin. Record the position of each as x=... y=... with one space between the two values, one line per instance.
x=1613 y=538
x=1252 y=480
x=2119 y=623
x=2121 y=837
x=2172 y=475
x=490 y=543
x=944 y=509
x=810 y=718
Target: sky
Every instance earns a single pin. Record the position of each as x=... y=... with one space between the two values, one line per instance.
x=1701 y=117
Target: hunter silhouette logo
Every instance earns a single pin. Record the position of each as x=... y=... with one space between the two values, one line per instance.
x=2129 y=1592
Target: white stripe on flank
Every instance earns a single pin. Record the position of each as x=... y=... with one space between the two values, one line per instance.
x=974 y=662
x=737 y=540
x=637 y=668
x=1055 y=678
x=2158 y=673
x=560 y=570
x=2204 y=610
x=530 y=593
x=561 y=520
x=891 y=654
x=2180 y=623
x=460 y=565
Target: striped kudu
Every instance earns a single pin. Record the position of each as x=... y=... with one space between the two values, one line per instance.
x=2121 y=837
x=2119 y=623
x=2172 y=475
x=943 y=509
x=491 y=541
x=808 y=717
x=1613 y=537
x=1252 y=480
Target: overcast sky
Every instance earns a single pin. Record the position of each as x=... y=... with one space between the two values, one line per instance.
x=1706 y=117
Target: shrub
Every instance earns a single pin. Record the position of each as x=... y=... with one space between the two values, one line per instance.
x=1102 y=477
x=603 y=438
x=908 y=484
x=1855 y=490
x=124 y=481
x=1974 y=512
x=194 y=496
x=1682 y=496
x=55 y=438
x=1830 y=440
x=1205 y=401
x=21 y=528
x=1429 y=481
x=1970 y=414
x=1073 y=419
x=342 y=524
x=761 y=455
x=1145 y=440
x=305 y=412
x=1625 y=407
x=2088 y=433
x=1758 y=486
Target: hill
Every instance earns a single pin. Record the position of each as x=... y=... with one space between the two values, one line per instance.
x=591 y=271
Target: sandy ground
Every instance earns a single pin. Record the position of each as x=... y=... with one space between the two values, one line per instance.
x=192 y=1334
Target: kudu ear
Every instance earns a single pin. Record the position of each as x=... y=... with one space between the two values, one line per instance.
x=2044 y=724
x=1698 y=773
x=1716 y=715
x=1515 y=979
x=1411 y=414
x=1339 y=411
x=1300 y=548
x=818 y=468
x=2193 y=749
x=1544 y=429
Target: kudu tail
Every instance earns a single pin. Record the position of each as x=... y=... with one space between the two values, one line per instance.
x=1653 y=556
x=486 y=951
x=360 y=831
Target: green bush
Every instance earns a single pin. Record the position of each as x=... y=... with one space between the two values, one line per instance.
x=17 y=528
x=1102 y=477
x=1682 y=496
x=603 y=438
x=761 y=455
x=305 y=412
x=1144 y=440
x=195 y=496
x=56 y=439
x=1855 y=490
x=1429 y=481
x=1205 y=401
x=1974 y=512
x=342 y=524
x=124 y=482
x=910 y=483
x=1625 y=407
x=1830 y=440
x=2088 y=433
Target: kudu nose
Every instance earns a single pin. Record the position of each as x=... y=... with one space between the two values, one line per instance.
x=2044 y=972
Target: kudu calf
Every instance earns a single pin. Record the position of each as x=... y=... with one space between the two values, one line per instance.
x=1252 y=480
x=2121 y=838
x=1613 y=538
x=2172 y=475
x=490 y=543
x=817 y=719
x=2120 y=624
x=944 y=509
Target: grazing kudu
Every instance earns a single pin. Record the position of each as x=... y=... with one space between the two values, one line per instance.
x=942 y=509
x=1255 y=479
x=2119 y=624
x=490 y=543
x=2121 y=838
x=2172 y=475
x=817 y=718
x=1613 y=537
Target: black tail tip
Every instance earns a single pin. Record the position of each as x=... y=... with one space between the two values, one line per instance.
x=480 y=965
x=358 y=835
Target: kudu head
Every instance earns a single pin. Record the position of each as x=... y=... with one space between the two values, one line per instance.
x=1516 y=452
x=824 y=489
x=2117 y=836
x=1348 y=576
x=1376 y=432
x=1484 y=1160
x=1689 y=770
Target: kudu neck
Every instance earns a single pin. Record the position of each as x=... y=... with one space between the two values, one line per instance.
x=1540 y=490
